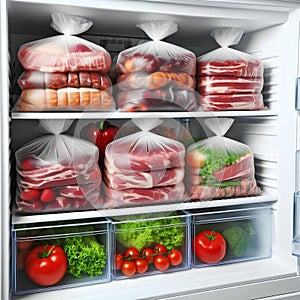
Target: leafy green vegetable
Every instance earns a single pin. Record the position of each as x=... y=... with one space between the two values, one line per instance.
x=145 y=233
x=237 y=238
x=85 y=255
x=216 y=160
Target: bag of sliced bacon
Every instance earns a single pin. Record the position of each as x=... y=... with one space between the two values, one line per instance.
x=57 y=172
x=219 y=167
x=227 y=73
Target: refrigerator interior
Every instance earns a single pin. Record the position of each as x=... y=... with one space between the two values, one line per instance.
x=271 y=34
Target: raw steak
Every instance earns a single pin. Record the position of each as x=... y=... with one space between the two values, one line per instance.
x=231 y=102
x=236 y=68
x=121 y=181
x=120 y=156
x=138 y=196
x=229 y=85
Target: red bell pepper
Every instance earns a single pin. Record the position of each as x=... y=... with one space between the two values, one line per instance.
x=100 y=134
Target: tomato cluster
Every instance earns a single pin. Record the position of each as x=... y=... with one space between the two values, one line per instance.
x=133 y=261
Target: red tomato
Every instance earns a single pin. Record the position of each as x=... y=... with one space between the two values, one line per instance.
x=118 y=261
x=148 y=253
x=132 y=252
x=141 y=265
x=161 y=262
x=159 y=248
x=46 y=265
x=175 y=257
x=128 y=268
x=209 y=246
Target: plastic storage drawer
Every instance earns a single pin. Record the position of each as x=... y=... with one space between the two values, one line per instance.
x=86 y=245
x=247 y=233
x=147 y=231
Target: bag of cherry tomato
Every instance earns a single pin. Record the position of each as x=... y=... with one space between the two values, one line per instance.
x=57 y=172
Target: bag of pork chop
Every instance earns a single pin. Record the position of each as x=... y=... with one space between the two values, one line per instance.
x=219 y=167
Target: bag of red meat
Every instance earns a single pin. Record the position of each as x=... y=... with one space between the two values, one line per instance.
x=57 y=172
x=66 y=52
x=156 y=55
x=144 y=167
x=226 y=61
x=219 y=167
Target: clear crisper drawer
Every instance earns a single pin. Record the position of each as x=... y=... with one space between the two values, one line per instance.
x=230 y=235
x=56 y=255
x=150 y=244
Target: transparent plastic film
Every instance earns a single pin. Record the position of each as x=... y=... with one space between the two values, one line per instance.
x=219 y=167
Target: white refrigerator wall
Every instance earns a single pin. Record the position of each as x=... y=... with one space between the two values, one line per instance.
x=272 y=138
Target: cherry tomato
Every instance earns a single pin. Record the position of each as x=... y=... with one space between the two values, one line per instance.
x=161 y=262
x=209 y=246
x=128 y=268
x=46 y=265
x=159 y=248
x=148 y=253
x=132 y=252
x=118 y=261
x=175 y=257
x=141 y=265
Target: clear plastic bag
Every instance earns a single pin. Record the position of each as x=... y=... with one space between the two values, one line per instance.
x=57 y=172
x=157 y=55
x=66 y=52
x=219 y=167
x=144 y=167
x=226 y=61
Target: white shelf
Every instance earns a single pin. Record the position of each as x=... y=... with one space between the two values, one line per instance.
x=22 y=219
x=131 y=115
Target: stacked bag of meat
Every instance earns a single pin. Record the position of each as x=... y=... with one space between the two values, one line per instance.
x=57 y=172
x=219 y=167
x=65 y=72
x=144 y=168
x=156 y=75
x=228 y=79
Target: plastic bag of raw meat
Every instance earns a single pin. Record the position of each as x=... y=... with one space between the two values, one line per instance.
x=66 y=52
x=226 y=61
x=144 y=167
x=157 y=55
x=57 y=172
x=219 y=167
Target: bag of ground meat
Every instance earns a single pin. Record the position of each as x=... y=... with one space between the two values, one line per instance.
x=219 y=167
x=66 y=52
x=157 y=55
x=226 y=61
x=57 y=172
